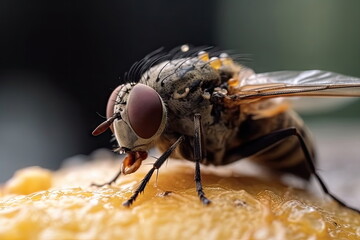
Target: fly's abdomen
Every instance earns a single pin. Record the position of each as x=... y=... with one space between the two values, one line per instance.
x=285 y=156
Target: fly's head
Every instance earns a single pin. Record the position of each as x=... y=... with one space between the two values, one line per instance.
x=136 y=115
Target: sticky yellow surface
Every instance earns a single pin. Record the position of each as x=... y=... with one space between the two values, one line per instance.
x=242 y=208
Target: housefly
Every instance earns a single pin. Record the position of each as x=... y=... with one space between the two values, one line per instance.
x=199 y=104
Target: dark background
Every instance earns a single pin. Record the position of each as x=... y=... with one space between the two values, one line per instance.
x=60 y=60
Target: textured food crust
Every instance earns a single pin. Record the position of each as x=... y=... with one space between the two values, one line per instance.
x=242 y=207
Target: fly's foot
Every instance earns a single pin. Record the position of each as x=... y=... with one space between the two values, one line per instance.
x=130 y=201
x=205 y=200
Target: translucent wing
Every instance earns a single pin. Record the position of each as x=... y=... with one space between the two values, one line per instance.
x=295 y=83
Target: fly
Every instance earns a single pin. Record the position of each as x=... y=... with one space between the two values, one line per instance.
x=212 y=110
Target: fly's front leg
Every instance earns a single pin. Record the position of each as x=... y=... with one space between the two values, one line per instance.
x=109 y=182
x=198 y=156
x=156 y=166
x=250 y=148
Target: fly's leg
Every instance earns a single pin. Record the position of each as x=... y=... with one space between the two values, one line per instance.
x=109 y=182
x=198 y=156
x=261 y=143
x=156 y=166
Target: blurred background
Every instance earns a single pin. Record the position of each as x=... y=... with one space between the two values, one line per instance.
x=59 y=61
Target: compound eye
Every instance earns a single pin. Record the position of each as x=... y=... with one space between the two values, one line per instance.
x=111 y=103
x=145 y=111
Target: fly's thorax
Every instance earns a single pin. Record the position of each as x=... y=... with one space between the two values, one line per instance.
x=182 y=79
x=142 y=117
x=184 y=84
x=187 y=86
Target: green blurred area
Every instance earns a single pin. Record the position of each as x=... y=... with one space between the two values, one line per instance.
x=295 y=35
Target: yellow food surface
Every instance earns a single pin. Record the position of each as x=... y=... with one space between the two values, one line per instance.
x=29 y=180
x=64 y=206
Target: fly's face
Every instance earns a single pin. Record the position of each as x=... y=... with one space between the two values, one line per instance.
x=137 y=116
x=143 y=117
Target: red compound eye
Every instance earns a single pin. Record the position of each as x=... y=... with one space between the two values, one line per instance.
x=111 y=103
x=144 y=110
